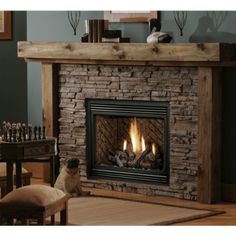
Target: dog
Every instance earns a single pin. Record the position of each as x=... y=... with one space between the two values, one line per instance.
x=69 y=179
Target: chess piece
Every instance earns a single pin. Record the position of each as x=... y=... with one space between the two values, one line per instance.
x=35 y=132
x=19 y=134
x=14 y=132
x=30 y=131
x=44 y=134
x=23 y=132
x=39 y=132
x=4 y=131
x=10 y=135
x=5 y=135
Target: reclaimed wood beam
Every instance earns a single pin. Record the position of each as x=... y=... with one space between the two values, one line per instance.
x=174 y=52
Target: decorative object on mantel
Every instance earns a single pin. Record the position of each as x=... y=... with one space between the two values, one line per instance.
x=94 y=29
x=155 y=35
x=74 y=18
x=154 y=25
x=130 y=16
x=180 y=20
x=114 y=36
x=111 y=36
x=17 y=132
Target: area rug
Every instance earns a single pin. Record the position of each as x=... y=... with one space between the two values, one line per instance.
x=105 y=211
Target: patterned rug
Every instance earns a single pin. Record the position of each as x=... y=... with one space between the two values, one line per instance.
x=105 y=211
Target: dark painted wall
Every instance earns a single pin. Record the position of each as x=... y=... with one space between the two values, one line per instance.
x=13 y=74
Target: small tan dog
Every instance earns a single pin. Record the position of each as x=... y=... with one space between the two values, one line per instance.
x=69 y=179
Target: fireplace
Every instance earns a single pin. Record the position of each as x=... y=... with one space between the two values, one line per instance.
x=128 y=140
x=186 y=76
x=98 y=105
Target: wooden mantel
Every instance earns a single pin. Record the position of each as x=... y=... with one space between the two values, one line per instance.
x=209 y=58
x=204 y=54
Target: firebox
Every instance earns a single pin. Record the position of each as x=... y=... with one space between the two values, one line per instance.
x=128 y=140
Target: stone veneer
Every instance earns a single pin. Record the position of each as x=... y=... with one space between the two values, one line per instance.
x=177 y=85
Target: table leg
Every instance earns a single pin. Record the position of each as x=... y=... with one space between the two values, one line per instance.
x=53 y=220
x=64 y=215
x=9 y=176
x=52 y=170
x=18 y=174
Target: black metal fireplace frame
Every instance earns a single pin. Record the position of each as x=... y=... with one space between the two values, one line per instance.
x=124 y=108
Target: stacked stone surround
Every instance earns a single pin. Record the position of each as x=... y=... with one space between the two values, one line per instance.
x=176 y=85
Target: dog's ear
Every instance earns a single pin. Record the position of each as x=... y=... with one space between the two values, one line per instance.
x=77 y=162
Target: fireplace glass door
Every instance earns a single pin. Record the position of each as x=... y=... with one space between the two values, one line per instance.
x=128 y=140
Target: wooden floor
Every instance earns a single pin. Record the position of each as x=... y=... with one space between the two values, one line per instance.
x=227 y=218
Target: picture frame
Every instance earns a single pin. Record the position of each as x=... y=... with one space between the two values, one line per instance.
x=130 y=16
x=5 y=25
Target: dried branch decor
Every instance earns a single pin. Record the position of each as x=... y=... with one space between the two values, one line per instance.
x=74 y=18
x=180 y=20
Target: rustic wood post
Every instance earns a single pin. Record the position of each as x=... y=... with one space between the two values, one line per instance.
x=49 y=98
x=209 y=135
x=49 y=109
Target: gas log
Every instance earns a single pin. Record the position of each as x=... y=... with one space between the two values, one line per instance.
x=136 y=162
x=144 y=160
x=116 y=159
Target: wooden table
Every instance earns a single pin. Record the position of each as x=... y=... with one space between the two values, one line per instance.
x=28 y=151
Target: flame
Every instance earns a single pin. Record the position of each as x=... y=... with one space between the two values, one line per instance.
x=143 y=144
x=125 y=145
x=154 y=149
x=137 y=140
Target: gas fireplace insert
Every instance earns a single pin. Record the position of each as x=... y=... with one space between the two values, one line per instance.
x=128 y=140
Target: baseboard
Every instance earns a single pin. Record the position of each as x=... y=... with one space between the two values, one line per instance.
x=229 y=192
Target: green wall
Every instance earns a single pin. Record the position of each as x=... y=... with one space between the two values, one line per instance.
x=13 y=74
x=201 y=26
x=48 y=26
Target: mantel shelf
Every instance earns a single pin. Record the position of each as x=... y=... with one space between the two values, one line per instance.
x=202 y=54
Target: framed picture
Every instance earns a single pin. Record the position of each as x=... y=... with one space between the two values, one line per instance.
x=5 y=25
x=130 y=16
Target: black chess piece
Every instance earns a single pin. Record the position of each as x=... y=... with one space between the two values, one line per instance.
x=44 y=132
x=20 y=134
x=10 y=135
x=14 y=131
x=23 y=132
x=4 y=136
x=30 y=132
x=39 y=132
x=4 y=131
x=35 y=132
